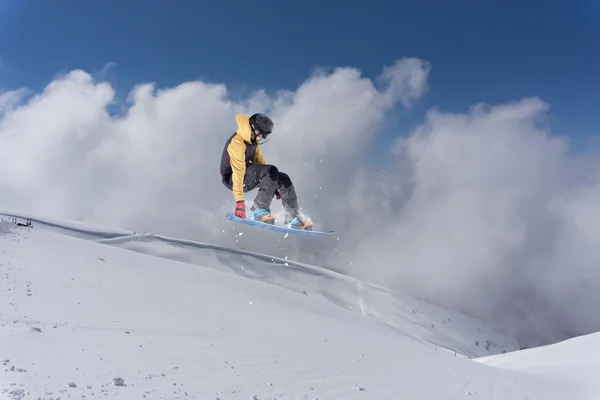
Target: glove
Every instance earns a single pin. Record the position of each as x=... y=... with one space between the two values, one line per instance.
x=277 y=195
x=240 y=209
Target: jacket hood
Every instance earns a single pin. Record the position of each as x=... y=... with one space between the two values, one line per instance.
x=244 y=130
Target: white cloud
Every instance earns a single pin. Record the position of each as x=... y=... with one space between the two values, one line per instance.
x=406 y=80
x=11 y=99
x=483 y=211
x=499 y=220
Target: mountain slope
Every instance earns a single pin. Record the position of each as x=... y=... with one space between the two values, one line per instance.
x=422 y=321
x=77 y=311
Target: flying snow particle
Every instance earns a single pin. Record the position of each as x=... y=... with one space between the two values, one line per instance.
x=118 y=381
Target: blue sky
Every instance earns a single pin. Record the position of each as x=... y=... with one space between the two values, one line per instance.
x=480 y=51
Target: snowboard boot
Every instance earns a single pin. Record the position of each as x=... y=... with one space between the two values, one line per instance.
x=262 y=215
x=297 y=223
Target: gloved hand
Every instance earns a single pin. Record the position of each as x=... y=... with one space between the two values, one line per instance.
x=240 y=209
x=277 y=195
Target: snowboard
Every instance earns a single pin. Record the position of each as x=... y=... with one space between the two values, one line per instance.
x=276 y=228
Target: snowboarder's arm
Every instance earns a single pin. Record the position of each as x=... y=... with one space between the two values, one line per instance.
x=237 y=159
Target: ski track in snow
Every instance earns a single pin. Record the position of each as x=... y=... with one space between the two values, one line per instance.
x=92 y=319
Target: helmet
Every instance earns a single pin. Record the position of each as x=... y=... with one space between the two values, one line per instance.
x=261 y=125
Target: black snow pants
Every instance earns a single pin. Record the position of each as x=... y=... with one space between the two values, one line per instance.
x=268 y=179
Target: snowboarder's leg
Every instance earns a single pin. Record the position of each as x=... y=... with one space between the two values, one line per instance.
x=268 y=179
x=252 y=177
x=265 y=177
x=286 y=190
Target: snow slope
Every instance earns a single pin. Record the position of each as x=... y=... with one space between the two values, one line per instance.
x=78 y=307
x=431 y=325
x=575 y=362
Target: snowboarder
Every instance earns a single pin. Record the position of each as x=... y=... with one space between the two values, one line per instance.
x=243 y=168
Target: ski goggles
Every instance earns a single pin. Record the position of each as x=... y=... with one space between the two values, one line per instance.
x=263 y=135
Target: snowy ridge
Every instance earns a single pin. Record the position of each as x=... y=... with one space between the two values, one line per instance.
x=424 y=322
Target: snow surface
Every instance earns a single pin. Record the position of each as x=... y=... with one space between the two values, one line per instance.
x=95 y=312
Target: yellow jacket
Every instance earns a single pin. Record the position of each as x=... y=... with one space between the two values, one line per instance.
x=239 y=152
